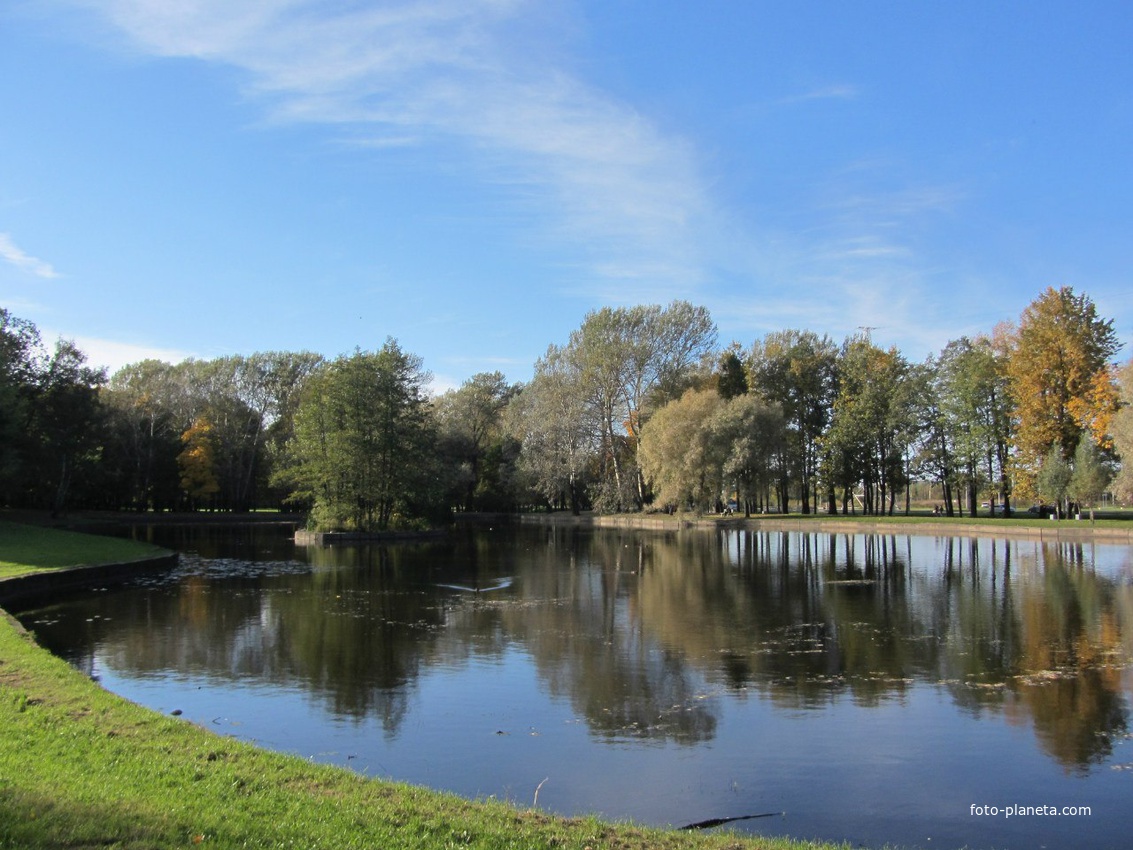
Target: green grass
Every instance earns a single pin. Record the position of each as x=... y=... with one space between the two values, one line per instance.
x=29 y=549
x=82 y=768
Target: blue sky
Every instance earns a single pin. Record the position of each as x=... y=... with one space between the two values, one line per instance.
x=472 y=176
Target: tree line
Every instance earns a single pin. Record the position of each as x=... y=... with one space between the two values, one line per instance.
x=640 y=409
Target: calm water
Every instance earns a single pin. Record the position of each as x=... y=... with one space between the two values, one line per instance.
x=871 y=688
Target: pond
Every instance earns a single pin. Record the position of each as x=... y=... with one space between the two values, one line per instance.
x=873 y=689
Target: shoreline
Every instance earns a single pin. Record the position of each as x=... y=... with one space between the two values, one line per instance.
x=69 y=743
x=1065 y=530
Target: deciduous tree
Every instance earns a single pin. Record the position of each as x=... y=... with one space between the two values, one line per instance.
x=1061 y=378
x=363 y=445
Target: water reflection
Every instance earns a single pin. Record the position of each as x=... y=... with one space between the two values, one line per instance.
x=653 y=640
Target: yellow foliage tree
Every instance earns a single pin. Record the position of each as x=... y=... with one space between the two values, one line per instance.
x=1062 y=380
x=197 y=460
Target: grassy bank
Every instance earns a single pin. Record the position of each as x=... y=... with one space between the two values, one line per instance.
x=82 y=768
x=29 y=549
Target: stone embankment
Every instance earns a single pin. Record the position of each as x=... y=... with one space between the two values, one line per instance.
x=22 y=589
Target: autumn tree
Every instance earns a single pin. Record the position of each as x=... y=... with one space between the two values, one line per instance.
x=1061 y=379
x=197 y=462
x=681 y=456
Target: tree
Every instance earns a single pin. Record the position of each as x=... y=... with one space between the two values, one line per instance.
x=65 y=424
x=1061 y=378
x=1053 y=477
x=362 y=450
x=20 y=354
x=731 y=379
x=752 y=434
x=474 y=440
x=971 y=383
x=197 y=461
x=798 y=371
x=624 y=362
x=1123 y=434
x=872 y=425
x=551 y=420
x=681 y=457
x=1090 y=477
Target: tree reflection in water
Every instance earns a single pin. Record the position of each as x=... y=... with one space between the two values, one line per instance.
x=644 y=632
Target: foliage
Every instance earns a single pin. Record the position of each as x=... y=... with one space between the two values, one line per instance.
x=198 y=460
x=1061 y=379
x=872 y=428
x=854 y=423
x=1123 y=434
x=478 y=452
x=551 y=421
x=1053 y=477
x=1091 y=475
x=361 y=454
x=971 y=388
x=679 y=456
x=623 y=361
x=798 y=371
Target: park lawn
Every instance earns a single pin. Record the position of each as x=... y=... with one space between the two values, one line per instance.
x=31 y=549
x=83 y=768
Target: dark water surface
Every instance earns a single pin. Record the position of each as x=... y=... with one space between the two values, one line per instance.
x=872 y=688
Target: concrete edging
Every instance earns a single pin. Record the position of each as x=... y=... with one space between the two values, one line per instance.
x=33 y=585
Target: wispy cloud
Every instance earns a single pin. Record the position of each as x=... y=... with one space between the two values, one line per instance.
x=836 y=91
x=603 y=178
x=11 y=253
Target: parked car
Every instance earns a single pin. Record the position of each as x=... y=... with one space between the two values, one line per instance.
x=1043 y=511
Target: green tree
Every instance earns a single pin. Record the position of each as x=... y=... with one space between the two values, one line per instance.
x=143 y=437
x=66 y=424
x=971 y=383
x=874 y=415
x=798 y=371
x=475 y=442
x=751 y=434
x=1061 y=378
x=731 y=378
x=1053 y=477
x=363 y=445
x=1090 y=477
x=20 y=354
x=1123 y=434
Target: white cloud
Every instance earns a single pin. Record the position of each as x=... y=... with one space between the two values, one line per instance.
x=11 y=253
x=607 y=180
x=114 y=354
